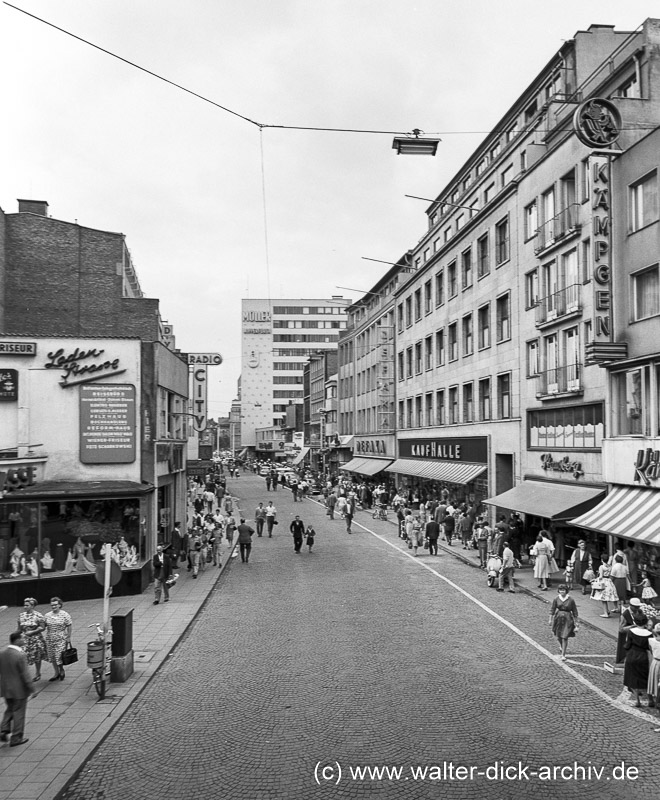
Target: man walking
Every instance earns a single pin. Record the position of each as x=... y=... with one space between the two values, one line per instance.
x=271 y=513
x=507 y=569
x=245 y=540
x=162 y=573
x=15 y=687
x=432 y=532
x=259 y=517
x=331 y=502
x=294 y=490
x=297 y=528
x=349 y=510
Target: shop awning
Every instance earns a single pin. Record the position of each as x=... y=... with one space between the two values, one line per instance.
x=372 y=466
x=548 y=500
x=52 y=490
x=628 y=512
x=303 y=452
x=353 y=465
x=460 y=472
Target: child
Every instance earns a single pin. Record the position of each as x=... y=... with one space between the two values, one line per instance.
x=648 y=592
x=568 y=575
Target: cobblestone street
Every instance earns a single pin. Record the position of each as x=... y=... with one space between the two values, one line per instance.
x=303 y=666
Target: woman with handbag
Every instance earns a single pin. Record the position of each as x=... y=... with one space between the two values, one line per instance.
x=542 y=550
x=604 y=590
x=58 y=636
x=32 y=624
x=563 y=618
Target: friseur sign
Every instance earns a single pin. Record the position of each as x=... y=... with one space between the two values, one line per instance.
x=473 y=449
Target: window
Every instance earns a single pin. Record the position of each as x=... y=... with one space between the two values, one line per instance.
x=502 y=241
x=453 y=405
x=629 y=88
x=532 y=358
x=504 y=396
x=644 y=202
x=409 y=413
x=428 y=410
x=484 y=399
x=523 y=160
x=399 y=317
x=426 y=254
x=409 y=362
x=428 y=352
x=400 y=367
x=418 y=358
x=408 y=311
x=548 y=215
x=440 y=288
x=512 y=132
x=466 y=267
x=460 y=221
x=530 y=111
x=531 y=221
x=631 y=402
x=532 y=288
x=402 y=414
x=440 y=407
x=507 y=175
x=646 y=293
x=585 y=184
x=483 y=326
x=502 y=311
x=453 y=341
x=489 y=193
x=481 y=166
x=483 y=256
x=467 y=335
x=495 y=151
x=439 y=348
x=474 y=207
x=452 y=286
x=468 y=402
x=418 y=304
x=418 y=411
x=428 y=297
x=447 y=234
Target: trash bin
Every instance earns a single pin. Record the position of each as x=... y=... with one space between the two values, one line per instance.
x=95 y=655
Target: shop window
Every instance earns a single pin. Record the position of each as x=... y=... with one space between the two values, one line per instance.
x=567 y=428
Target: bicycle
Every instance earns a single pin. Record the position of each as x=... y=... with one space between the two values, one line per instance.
x=380 y=512
x=100 y=665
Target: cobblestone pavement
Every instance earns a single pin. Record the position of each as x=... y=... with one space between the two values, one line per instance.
x=302 y=665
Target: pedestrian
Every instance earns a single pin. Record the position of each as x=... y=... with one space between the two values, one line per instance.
x=620 y=579
x=15 y=687
x=432 y=533
x=297 y=529
x=563 y=618
x=209 y=497
x=331 y=502
x=294 y=490
x=542 y=551
x=162 y=573
x=604 y=590
x=32 y=625
x=245 y=533
x=582 y=562
x=482 y=542
x=449 y=525
x=653 y=688
x=230 y=527
x=195 y=551
x=465 y=529
x=349 y=510
x=507 y=569
x=177 y=540
x=268 y=479
x=636 y=667
x=310 y=533
x=417 y=534
x=228 y=504
x=260 y=518
x=273 y=478
x=271 y=518
x=631 y=617
x=59 y=626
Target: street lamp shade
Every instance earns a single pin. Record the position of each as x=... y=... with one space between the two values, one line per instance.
x=414 y=145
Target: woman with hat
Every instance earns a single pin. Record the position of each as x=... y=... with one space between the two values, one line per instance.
x=636 y=667
x=631 y=617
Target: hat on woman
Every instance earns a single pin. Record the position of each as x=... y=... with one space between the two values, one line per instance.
x=640 y=631
x=635 y=601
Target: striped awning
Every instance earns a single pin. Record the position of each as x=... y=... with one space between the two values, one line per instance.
x=366 y=466
x=350 y=466
x=461 y=472
x=627 y=512
x=548 y=500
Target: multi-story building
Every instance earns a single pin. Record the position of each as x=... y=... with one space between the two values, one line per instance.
x=318 y=370
x=93 y=416
x=278 y=336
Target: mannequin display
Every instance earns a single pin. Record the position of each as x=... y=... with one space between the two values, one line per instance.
x=45 y=546
x=122 y=547
x=60 y=557
x=131 y=557
x=89 y=553
x=70 y=563
x=83 y=564
x=46 y=561
x=17 y=562
x=114 y=552
x=33 y=565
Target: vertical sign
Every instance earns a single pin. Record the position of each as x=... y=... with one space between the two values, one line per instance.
x=107 y=424
x=599 y=170
x=9 y=384
x=385 y=378
x=198 y=396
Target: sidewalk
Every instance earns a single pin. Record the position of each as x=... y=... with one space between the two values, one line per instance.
x=66 y=720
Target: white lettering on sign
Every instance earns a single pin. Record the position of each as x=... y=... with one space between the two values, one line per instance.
x=436 y=450
x=205 y=358
x=256 y=316
x=198 y=395
x=74 y=372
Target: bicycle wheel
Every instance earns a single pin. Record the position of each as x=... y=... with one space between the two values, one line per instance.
x=99 y=682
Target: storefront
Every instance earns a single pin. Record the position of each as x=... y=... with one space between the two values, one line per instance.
x=451 y=468
x=371 y=456
x=71 y=449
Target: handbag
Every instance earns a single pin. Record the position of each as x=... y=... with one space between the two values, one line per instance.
x=588 y=575
x=69 y=655
x=598 y=584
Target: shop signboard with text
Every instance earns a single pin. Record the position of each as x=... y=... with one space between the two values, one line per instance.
x=473 y=449
x=107 y=424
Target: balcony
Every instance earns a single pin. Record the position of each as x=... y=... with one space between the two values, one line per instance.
x=555 y=229
x=560 y=380
x=559 y=304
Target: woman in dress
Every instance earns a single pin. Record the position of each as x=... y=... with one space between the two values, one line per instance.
x=542 y=550
x=636 y=667
x=630 y=617
x=563 y=618
x=58 y=634
x=654 y=668
x=310 y=533
x=620 y=579
x=608 y=592
x=32 y=624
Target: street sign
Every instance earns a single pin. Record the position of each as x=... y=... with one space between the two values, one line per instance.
x=115 y=573
x=208 y=359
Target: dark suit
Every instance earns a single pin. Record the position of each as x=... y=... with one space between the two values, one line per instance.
x=162 y=571
x=15 y=687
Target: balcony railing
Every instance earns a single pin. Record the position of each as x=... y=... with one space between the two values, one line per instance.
x=566 y=221
x=557 y=304
x=561 y=380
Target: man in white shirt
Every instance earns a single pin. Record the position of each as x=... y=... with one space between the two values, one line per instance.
x=507 y=569
x=271 y=514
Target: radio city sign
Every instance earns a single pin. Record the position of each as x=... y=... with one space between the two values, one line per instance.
x=473 y=449
x=208 y=359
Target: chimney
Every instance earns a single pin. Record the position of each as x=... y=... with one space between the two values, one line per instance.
x=39 y=207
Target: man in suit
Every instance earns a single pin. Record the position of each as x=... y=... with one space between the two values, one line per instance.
x=162 y=572
x=15 y=687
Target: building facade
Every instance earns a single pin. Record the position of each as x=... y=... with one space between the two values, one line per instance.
x=278 y=336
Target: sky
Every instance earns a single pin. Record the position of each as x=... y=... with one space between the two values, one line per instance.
x=217 y=208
